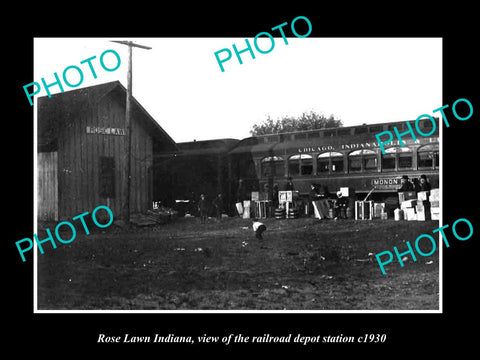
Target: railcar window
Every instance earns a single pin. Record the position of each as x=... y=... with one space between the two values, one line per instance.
x=301 y=136
x=301 y=164
x=341 y=132
x=362 y=160
x=323 y=164
x=272 y=166
x=313 y=135
x=428 y=156
x=388 y=160
x=361 y=130
x=426 y=124
x=329 y=162
x=399 y=126
x=375 y=129
x=405 y=157
x=370 y=160
x=355 y=161
x=337 y=162
x=396 y=158
x=306 y=165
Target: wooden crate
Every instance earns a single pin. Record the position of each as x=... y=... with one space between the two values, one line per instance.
x=364 y=210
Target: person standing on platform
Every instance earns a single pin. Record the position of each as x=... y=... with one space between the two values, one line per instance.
x=241 y=195
x=275 y=196
x=312 y=196
x=218 y=204
x=406 y=184
x=341 y=206
x=203 y=209
x=424 y=185
x=289 y=185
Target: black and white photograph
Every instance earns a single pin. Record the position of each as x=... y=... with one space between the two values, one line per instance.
x=253 y=186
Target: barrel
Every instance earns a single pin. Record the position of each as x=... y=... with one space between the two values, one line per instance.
x=349 y=213
x=293 y=213
x=330 y=213
x=279 y=213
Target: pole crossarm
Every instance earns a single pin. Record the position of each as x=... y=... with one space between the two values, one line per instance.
x=131 y=43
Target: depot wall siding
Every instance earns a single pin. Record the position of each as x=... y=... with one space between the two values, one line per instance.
x=79 y=161
x=47 y=190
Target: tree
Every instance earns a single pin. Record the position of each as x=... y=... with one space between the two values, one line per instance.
x=307 y=121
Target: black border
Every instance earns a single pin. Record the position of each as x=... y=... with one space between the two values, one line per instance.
x=407 y=334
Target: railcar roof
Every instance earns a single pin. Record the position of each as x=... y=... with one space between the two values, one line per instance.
x=282 y=141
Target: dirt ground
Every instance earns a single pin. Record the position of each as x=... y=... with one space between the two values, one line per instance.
x=302 y=264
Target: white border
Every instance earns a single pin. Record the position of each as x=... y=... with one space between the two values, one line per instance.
x=35 y=256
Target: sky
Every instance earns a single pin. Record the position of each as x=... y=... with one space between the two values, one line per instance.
x=180 y=84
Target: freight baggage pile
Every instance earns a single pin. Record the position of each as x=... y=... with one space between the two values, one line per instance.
x=421 y=206
x=411 y=205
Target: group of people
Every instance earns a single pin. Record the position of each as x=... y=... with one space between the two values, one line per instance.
x=417 y=185
x=204 y=207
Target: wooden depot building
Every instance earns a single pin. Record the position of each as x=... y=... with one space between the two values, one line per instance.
x=81 y=152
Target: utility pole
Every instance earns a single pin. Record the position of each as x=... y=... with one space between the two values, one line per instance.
x=128 y=143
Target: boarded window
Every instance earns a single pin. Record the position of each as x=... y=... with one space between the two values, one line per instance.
x=107 y=177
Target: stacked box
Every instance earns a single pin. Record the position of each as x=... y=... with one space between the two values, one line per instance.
x=406 y=195
x=262 y=209
x=255 y=196
x=408 y=207
x=423 y=214
x=408 y=204
x=435 y=213
x=423 y=210
x=287 y=196
x=363 y=210
x=246 y=209
x=435 y=204
x=423 y=195
x=423 y=205
x=378 y=209
x=410 y=213
x=420 y=215
x=435 y=195
x=347 y=191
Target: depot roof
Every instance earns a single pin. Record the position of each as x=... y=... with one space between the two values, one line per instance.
x=56 y=111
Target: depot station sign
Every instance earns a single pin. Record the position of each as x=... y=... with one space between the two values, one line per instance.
x=384 y=183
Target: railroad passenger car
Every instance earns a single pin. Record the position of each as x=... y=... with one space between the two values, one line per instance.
x=340 y=157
